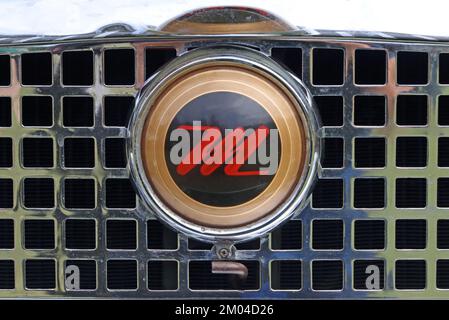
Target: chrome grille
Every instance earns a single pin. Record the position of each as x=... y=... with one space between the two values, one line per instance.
x=322 y=253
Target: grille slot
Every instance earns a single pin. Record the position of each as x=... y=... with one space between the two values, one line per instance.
x=7 y=277
x=383 y=183
x=37 y=69
x=6 y=193
x=370 y=67
x=79 y=152
x=6 y=234
x=410 y=274
x=37 y=111
x=369 y=111
x=156 y=58
x=40 y=274
x=37 y=152
x=87 y=272
x=328 y=67
x=5 y=66
x=412 y=67
x=5 y=152
x=5 y=111
x=122 y=274
x=360 y=279
x=286 y=275
x=327 y=275
x=77 y=68
x=80 y=234
x=78 y=111
x=39 y=234
x=119 y=67
x=162 y=275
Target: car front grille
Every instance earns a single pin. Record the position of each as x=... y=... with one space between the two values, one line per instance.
x=67 y=198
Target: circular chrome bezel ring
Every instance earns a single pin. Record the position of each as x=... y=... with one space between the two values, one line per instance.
x=255 y=61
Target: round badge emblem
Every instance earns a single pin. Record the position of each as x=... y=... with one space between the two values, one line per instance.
x=222 y=144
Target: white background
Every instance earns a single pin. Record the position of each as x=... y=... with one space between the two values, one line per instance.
x=428 y=17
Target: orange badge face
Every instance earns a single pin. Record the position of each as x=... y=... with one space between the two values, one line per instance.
x=223 y=146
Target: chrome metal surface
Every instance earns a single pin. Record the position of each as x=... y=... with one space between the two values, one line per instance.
x=265 y=255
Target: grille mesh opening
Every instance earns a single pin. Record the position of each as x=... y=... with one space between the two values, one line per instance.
x=122 y=274
x=5 y=111
x=79 y=193
x=121 y=234
x=87 y=273
x=369 y=193
x=119 y=65
x=161 y=237
x=443 y=274
x=115 y=153
x=410 y=274
x=411 y=193
x=80 y=234
x=5 y=152
x=327 y=234
x=369 y=152
x=6 y=193
x=369 y=234
x=288 y=236
x=36 y=68
x=37 y=152
x=117 y=110
x=40 y=274
x=78 y=111
x=330 y=109
x=37 y=111
x=333 y=153
x=5 y=73
x=39 y=234
x=443 y=234
x=411 y=110
x=156 y=58
x=7 y=277
x=289 y=57
x=120 y=194
x=79 y=152
x=443 y=152
x=328 y=66
x=286 y=275
x=443 y=110
x=370 y=67
x=443 y=68
x=411 y=234
x=162 y=275
x=39 y=193
x=328 y=194
x=412 y=67
x=327 y=275
x=6 y=234
x=362 y=273
x=78 y=68
x=369 y=111
x=443 y=192
x=202 y=278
